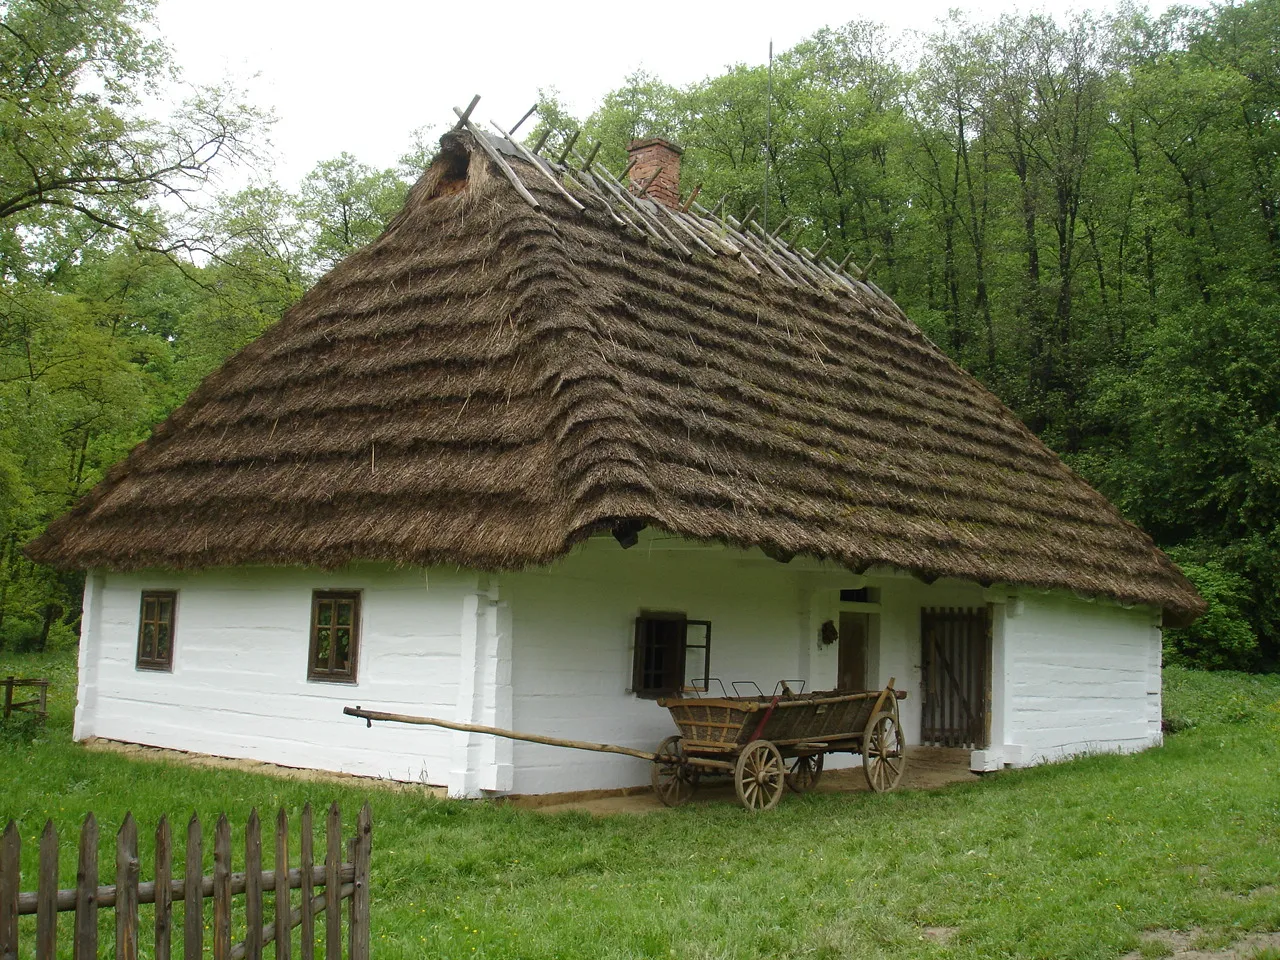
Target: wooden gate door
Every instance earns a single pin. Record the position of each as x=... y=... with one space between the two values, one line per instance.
x=956 y=646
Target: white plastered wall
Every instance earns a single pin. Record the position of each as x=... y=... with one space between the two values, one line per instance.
x=573 y=639
x=239 y=684
x=1073 y=676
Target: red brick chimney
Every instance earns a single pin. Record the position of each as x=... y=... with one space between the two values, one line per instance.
x=650 y=156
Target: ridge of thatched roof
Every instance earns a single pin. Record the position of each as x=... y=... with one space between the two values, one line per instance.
x=490 y=382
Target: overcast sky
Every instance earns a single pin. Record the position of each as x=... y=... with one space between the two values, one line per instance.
x=361 y=76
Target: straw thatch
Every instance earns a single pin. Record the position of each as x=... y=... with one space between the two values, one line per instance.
x=488 y=383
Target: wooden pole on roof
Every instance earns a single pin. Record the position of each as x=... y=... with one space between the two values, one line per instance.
x=649 y=183
x=626 y=170
x=465 y=115
x=520 y=122
x=498 y=159
x=568 y=146
x=591 y=157
x=542 y=140
x=692 y=197
x=524 y=152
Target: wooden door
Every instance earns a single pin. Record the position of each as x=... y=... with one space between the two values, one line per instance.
x=956 y=661
x=852 y=669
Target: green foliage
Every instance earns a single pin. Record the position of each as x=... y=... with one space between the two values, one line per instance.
x=1222 y=639
x=1198 y=698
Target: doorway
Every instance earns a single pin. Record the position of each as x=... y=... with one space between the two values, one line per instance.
x=855 y=634
x=956 y=673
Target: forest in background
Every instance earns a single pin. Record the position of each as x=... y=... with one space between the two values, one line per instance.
x=1083 y=212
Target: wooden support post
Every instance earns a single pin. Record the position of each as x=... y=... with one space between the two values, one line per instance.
x=127 y=869
x=193 y=893
x=8 y=697
x=253 y=886
x=306 y=838
x=47 y=895
x=283 y=911
x=164 y=889
x=627 y=169
x=358 y=928
x=86 y=929
x=333 y=885
x=591 y=157
x=10 y=882
x=542 y=140
x=222 y=889
x=644 y=187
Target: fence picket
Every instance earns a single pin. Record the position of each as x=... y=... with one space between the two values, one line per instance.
x=307 y=935
x=253 y=886
x=127 y=889
x=333 y=886
x=284 y=912
x=10 y=861
x=222 y=889
x=164 y=888
x=361 y=858
x=47 y=895
x=86 y=930
x=193 y=893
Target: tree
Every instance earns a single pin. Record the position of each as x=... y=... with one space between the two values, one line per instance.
x=78 y=155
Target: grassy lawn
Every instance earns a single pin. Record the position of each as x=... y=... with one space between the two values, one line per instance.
x=1071 y=860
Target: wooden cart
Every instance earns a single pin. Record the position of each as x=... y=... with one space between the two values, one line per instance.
x=765 y=743
x=770 y=743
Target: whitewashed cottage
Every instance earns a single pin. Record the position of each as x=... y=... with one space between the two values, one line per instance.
x=547 y=449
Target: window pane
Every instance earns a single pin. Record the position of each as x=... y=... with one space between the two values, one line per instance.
x=324 y=613
x=164 y=610
x=148 y=609
x=344 y=613
x=162 y=641
x=342 y=652
x=148 y=641
x=322 y=649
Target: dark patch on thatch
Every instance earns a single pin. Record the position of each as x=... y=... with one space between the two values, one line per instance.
x=487 y=384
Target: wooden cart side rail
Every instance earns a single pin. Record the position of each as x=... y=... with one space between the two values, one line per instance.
x=371 y=715
x=752 y=705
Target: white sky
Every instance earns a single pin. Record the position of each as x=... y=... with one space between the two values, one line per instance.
x=361 y=76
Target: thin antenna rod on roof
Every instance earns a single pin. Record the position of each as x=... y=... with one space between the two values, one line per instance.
x=768 y=137
x=465 y=115
x=569 y=146
x=520 y=122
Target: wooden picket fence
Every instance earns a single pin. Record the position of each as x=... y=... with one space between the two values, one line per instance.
x=340 y=880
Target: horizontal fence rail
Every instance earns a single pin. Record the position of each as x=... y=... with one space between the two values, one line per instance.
x=336 y=878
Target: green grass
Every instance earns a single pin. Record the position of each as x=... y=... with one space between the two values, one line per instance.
x=1070 y=860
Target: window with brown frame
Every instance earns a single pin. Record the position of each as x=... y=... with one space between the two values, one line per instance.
x=672 y=655
x=155 y=629
x=335 y=636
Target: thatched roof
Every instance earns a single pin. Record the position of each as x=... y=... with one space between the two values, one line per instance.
x=487 y=384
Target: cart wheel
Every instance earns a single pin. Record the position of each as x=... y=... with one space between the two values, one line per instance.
x=760 y=776
x=674 y=779
x=804 y=772
x=884 y=752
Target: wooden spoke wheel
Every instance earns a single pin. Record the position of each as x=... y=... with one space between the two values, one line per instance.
x=674 y=779
x=760 y=776
x=804 y=772
x=884 y=752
